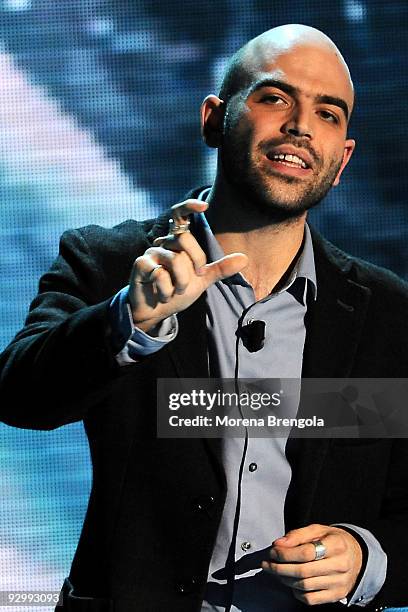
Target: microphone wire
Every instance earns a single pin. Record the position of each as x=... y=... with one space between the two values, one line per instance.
x=230 y=563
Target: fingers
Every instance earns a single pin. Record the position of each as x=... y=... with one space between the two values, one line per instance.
x=184 y=242
x=302 y=535
x=213 y=272
x=172 y=277
x=322 y=581
x=332 y=593
x=306 y=570
x=224 y=267
x=173 y=273
x=298 y=554
x=146 y=272
x=303 y=553
x=316 y=581
x=180 y=268
x=182 y=210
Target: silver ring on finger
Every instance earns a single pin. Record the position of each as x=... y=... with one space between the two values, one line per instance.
x=176 y=228
x=320 y=550
x=150 y=277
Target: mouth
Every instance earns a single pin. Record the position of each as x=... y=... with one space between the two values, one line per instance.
x=290 y=163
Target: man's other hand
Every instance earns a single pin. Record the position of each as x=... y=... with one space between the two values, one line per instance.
x=155 y=292
x=315 y=582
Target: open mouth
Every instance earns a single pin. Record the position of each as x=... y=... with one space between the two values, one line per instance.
x=288 y=159
x=289 y=163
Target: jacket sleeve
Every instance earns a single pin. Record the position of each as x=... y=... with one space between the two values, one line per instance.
x=63 y=360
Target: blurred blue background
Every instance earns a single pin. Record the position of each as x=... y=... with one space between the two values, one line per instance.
x=99 y=122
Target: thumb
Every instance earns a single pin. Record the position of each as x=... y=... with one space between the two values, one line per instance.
x=224 y=267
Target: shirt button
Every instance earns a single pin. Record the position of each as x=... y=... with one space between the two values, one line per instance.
x=245 y=546
x=253 y=467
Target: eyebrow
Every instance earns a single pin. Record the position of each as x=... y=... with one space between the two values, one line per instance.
x=293 y=91
x=335 y=101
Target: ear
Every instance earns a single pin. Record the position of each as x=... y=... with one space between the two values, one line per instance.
x=212 y=120
x=349 y=147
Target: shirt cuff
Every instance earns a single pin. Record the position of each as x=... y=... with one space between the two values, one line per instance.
x=375 y=570
x=134 y=342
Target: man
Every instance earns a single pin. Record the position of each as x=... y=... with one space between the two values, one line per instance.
x=163 y=513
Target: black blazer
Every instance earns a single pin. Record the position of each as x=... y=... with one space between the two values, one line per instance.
x=155 y=503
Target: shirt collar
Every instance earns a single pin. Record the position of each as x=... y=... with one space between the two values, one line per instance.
x=304 y=269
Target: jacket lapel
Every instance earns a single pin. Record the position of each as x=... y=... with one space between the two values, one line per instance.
x=334 y=322
x=333 y=327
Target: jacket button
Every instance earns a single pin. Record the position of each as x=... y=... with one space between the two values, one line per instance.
x=187 y=586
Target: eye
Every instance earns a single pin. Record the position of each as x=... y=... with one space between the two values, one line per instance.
x=328 y=116
x=272 y=99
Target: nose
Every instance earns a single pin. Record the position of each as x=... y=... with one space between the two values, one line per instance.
x=298 y=125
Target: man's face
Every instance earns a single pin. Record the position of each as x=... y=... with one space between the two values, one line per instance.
x=284 y=141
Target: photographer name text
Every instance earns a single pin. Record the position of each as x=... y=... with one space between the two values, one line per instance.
x=228 y=421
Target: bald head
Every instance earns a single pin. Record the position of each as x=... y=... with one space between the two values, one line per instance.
x=265 y=50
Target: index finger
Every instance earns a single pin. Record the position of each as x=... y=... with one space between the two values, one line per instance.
x=301 y=570
x=302 y=535
x=302 y=553
x=182 y=210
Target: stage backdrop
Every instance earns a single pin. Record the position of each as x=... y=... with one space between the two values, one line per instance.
x=99 y=122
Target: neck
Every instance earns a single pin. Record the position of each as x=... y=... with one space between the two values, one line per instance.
x=272 y=246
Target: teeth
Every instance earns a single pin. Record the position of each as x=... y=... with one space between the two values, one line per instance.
x=294 y=159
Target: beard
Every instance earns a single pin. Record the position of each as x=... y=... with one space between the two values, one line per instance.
x=277 y=196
